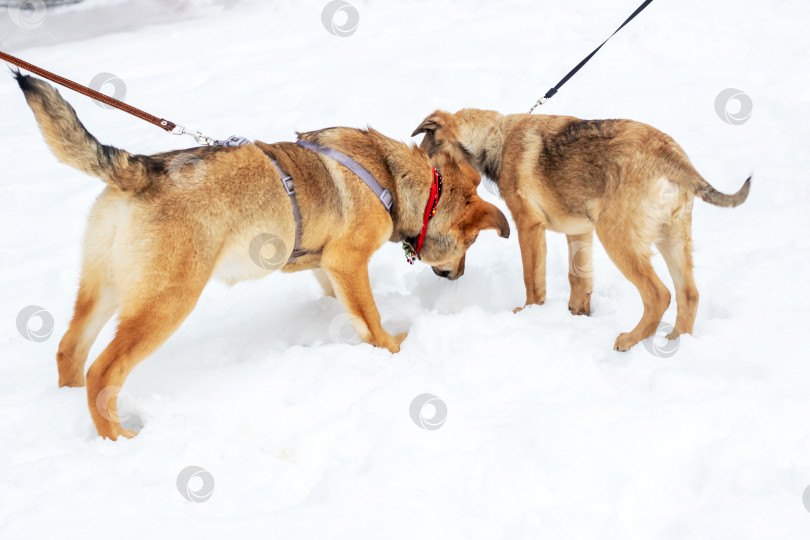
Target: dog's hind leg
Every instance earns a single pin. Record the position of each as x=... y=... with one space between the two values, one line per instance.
x=146 y=321
x=97 y=299
x=325 y=283
x=580 y=272
x=95 y=304
x=624 y=241
x=675 y=245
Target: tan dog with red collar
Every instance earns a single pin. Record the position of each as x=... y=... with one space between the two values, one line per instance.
x=161 y=230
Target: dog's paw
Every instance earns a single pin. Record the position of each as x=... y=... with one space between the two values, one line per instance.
x=625 y=341
x=117 y=431
x=580 y=302
x=579 y=310
x=71 y=382
x=528 y=304
x=394 y=343
x=673 y=335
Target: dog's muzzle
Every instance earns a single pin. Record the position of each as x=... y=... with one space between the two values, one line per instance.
x=440 y=273
x=452 y=275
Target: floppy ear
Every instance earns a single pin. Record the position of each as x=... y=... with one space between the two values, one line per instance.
x=431 y=123
x=484 y=216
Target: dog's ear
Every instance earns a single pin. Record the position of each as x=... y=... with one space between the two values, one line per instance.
x=431 y=123
x=483 y=215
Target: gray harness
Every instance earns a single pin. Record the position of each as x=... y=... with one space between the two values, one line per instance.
x=289 y=187
x=382 y=194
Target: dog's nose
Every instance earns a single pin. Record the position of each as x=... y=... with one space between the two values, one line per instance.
x=441 y=273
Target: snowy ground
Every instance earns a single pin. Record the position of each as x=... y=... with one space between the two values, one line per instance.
x=549 y=433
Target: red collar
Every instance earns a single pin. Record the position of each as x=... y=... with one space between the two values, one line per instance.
x=413 y=249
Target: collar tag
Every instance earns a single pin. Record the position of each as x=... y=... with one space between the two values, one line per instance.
x=410 y=254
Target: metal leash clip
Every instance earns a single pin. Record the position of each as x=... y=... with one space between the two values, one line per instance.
x=540 y=102
x=233 y=140
x=201 y=139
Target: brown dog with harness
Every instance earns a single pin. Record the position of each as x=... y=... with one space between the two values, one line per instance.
x=167 y=223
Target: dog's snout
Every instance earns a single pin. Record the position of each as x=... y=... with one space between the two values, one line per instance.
x=441 y=273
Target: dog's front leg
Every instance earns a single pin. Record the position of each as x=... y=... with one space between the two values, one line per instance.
x=349 y=275
x=532 y=239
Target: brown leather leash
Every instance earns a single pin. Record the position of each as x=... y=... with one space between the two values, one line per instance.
x=162 y=123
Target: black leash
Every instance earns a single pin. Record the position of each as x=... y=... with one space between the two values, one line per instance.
x=573 y=72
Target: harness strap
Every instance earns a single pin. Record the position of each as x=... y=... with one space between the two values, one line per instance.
x=289 y=187
x=383 y=194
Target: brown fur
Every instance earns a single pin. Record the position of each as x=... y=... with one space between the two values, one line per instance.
x=628 y=181
x=160 y=231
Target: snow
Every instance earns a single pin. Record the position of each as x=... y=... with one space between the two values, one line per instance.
x=549 y=432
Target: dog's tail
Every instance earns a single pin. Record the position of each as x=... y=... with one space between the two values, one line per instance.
x=688 y=177
x=73 y=145
x=705 y=191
